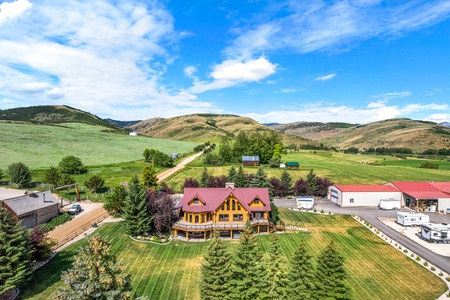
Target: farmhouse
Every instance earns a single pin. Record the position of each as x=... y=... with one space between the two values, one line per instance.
x=250 y=161
x=33 y=208
x=224 y=209
x=362 y=195
x=424 y=196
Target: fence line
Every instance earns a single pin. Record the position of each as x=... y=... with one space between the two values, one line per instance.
x=77 y=232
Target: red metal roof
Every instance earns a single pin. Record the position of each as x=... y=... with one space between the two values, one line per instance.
x=420 y=190
x=442 y=186
x=214 y=197
x=366 y=188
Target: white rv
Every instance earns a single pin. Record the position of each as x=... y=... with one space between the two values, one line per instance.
x=412 y=219
x=305 y=202
x=389 y=204
x=436 y=233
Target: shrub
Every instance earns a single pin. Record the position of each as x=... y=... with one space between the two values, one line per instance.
x=400 y=247
x=56 y=221
x=440 y=273
x=94 y=225
x=370 y=226
x=412 y=254
x=405 y=251
x=425 y=264
x=329 y=212
x=322 y=212
x=315 y=210
x=418 y=258
x=433 y=268
x=447 y=278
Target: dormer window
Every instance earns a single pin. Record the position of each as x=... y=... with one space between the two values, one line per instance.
x=195 y=201
x=256 y=201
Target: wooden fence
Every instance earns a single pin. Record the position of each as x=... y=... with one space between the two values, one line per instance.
x=79 y=231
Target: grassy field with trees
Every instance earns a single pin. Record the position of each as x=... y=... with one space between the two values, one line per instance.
x=375 y=269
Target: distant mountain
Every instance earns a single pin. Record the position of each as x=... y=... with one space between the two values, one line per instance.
x=311 y=130
x=446 y=124
x=270 y=124
x=122 y=123
x=52 y=114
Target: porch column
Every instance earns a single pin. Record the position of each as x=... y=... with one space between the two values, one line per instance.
x=258 y=229
x=231 y=234
x=205 y=235
x=187 y=235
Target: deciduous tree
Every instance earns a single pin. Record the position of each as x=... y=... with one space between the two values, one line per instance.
x=95 y=274
x=52 y=176
x=19 y=174
x=15 y=252
x=301 y=187
x=217 y=181
x=94 y=183
x=301 y=275
x=137 y=219
x=41 y=245
x=215 y=272
x=161 y=208
x=72 y=165
x=190 y=183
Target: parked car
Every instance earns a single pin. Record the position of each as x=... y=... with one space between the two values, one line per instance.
x=75 y=209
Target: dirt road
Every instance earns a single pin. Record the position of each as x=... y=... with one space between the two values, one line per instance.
x=178 y=167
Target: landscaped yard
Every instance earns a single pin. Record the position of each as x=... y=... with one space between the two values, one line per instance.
x=376 y=270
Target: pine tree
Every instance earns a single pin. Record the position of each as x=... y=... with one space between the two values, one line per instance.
x=52 y=176
x=248 y=272
x=260 y=180
x=205 y=178
x=15 y=252
x=137 y=219
x=275 y=276
x=150 y=180
x=311 y=178
x=115 y=202
x=331 y=275
x=232 y=174
x=215 y=273
x=286 y=180
x=301 y=276
x=240 y=180
x=95 y=274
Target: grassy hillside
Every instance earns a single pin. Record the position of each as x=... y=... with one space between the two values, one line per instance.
x=53 y=114
x=42 y=146
x=311 y=130
x=376 y=270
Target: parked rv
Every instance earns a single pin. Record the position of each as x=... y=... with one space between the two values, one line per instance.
x=436 y=233
x=305 y=202
x=412 y=218
x=393 y=204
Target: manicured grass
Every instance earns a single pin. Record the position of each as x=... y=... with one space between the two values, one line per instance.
x=376 y=270
x=43 y=146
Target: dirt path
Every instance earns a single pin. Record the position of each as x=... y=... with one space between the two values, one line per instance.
x=178 y=167
x=91 y=211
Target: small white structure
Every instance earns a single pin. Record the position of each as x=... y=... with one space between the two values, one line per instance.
x=436 y=233
x=305 y=202
x=362 y=195
x=133 y=133
x=389 y=204
x=412 y=219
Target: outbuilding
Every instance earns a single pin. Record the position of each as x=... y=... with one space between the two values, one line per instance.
x=424 y=196
x=33 y=208
x=292 y=165
x=250 y=161
x=363 y=195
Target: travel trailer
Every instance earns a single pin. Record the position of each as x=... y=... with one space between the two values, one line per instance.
x=412 y=219
x=436 y=233
x=305 y=202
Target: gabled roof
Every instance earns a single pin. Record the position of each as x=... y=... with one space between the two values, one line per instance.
x=250 y=158
x=214 y=197
x=31 y=202
x=366 y=188
x=442 y=186
x=420 y=190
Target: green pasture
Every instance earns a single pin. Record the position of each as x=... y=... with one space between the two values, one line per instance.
x=43 y=146
x=376 y=270
x=338 y=167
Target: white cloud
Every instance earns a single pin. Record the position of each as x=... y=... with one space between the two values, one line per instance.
x=190 y=71
x=12 y=10
x=233 y=72
x=393 y=95
x=34 y=87
x=289 y=90
x=439 y=118
x=326 y=77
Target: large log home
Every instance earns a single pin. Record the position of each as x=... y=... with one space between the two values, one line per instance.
x=225 y=209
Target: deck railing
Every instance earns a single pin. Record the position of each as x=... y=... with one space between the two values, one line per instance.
x=218 y=226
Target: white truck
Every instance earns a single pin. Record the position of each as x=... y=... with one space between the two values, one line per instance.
x=389 y=204
x=412 y=219
x=305 y=202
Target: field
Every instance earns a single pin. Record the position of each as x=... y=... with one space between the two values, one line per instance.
x=376 y=270
x=339 y=167
x=43 y=146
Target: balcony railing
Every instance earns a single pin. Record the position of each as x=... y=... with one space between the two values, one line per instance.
x=183 y=225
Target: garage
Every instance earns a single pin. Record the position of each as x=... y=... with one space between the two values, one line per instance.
x=362 y=195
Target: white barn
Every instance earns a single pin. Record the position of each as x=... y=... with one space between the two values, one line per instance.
x=362 y=195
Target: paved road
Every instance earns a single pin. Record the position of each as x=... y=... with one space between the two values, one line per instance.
x=371 y=214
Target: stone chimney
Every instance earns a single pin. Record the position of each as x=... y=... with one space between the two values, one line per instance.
x=229 y=185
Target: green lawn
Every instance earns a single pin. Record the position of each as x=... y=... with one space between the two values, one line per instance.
x=376 y=270
x=43 y=146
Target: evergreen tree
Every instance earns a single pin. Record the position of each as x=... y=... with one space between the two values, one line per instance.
x=215 y=272
x=1 y=174
x=286 y=180
x=150 y=180
x=95 y=274
x=19 y=174
x=331 y=275
x=248 y=272
x=260 y=180
x=232 y=174
x=115 y=202
x=137 y=219
x=94 y=183
x=275 y=276
x=205 y=178
x=311 y=178
x=301 y=276
x=15 y=252
x=240 y=178
x=52 y=176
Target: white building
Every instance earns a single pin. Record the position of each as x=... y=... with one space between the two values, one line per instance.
x=362 y=195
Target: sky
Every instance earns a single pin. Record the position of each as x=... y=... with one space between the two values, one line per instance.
x=355 y=61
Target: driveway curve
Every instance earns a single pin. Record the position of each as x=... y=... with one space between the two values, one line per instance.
x=178 y=167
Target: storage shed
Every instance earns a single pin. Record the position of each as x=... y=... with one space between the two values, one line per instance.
x=252 y=161
x=33 y=208
x=292 y=165
x=362 y=195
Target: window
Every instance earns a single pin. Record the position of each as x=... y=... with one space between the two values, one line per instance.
x=196 y=219
x=223 y=218
x=223 y=206
x=256 y=201
x=190 y=218
x=435 y=234
x=228 y=204
x=238 y=217
x=233 y=205
x=195 y=201
x=352 y=200
x=443 y=235
x=239 y=207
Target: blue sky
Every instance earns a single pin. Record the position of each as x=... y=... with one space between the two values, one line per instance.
x=353 y=61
